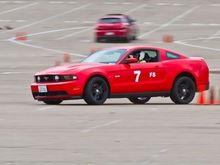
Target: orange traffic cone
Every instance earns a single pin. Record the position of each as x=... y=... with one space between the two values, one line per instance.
x=66 y=58
x=167 y=38
x=219 y=96
x=21 y=36
x=201 y=99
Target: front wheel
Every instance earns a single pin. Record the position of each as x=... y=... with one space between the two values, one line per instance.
x=52 y=102
x=183 y=90
x=139 y=100
x=96 y=91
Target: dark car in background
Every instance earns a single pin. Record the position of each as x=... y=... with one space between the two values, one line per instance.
x=116 y=26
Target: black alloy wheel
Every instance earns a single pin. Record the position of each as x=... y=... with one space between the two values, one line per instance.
x=96 y=91
x=183 y=90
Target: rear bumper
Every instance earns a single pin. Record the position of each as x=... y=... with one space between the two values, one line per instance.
x=111 y=33
x=57 y=91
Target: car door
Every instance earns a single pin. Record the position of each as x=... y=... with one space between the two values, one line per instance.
x=141 y=77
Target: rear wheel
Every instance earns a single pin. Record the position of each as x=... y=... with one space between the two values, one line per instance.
x=96 y=91
x=139 y=100
x=53 y=102
x=183 y=90
x=127 y=39
x=134 y=37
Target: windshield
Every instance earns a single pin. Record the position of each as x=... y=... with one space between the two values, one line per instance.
x=106 y=56
x=110 y=20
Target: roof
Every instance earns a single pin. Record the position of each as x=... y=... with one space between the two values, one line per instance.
x=144 y=46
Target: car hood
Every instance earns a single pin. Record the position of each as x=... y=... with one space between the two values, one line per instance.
x=70 y=68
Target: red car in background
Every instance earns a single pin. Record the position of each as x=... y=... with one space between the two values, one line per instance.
x=116 y=26
x=134 y=72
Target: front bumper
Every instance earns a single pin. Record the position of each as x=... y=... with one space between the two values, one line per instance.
x=57 y=91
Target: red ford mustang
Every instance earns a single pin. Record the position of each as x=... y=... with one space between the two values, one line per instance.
x=116 y=26
x=134 y=72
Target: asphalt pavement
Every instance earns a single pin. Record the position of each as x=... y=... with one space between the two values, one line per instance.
x=118 y=132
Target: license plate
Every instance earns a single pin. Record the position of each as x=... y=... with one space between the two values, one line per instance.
x=42 y=89
x=109 y=33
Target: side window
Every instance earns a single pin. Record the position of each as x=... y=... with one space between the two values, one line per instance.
x=171 y=56
x=152 y=55
x=144 y=56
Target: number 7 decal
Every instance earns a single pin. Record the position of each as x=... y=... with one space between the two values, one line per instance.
x=137 y=73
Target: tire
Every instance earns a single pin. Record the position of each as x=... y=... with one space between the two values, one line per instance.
x=183 y=90
x=97 y=40
x=127 y=39
x=139 y=100
x=134 y=37
x=96 y=91
x=53 y=102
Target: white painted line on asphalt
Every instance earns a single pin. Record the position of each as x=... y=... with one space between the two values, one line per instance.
x=100 y=126
x=213 y=24
x=196 y=46
x=197 y=24
x=213 y=36
x=197 y=39
x=45 y=108
x=148 y=23
x=215 y=5
x=178 y=4
x=162 y=4
x=5 y=20
x=20 y=20
x=152 y=158
x=55 y=2
x=191 y=24
x=88 y=22
x=56 y=30
x=126 y=3
x=13 y=40
x=54 y=16
x=4 y=1
x=110 y=3
x=72 y=2
x=43 y=48
x=86 y=41
x=169 y=22
x=136 y=9
x=73 y=21
x=75 y=33
x=18 y=8
x=7 y=73
x=19 y=2
x=163 y=150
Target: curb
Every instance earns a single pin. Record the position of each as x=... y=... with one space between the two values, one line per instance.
x=214 y=71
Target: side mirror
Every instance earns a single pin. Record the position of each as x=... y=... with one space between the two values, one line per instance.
x=131 y=60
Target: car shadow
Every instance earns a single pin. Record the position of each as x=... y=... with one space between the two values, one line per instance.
x=125 y=104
